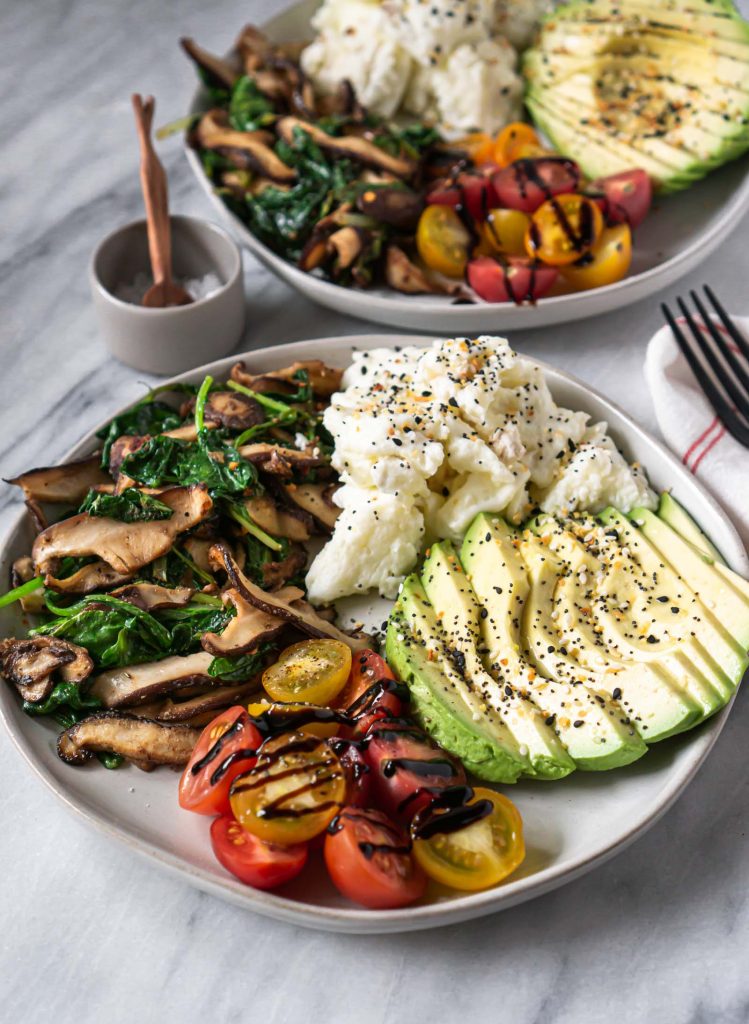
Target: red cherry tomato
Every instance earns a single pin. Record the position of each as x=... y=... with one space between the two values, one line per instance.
x=254 y=862
x=478 y=194
x=625 y=198
x=444 y=194
x=513 y=280
x=224 y=750
x=526 y=184
x=371 y=692
x=407 y=767
x=473 y=191
x=369 y=860
x=357 y=771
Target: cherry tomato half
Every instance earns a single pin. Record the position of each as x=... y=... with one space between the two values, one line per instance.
x=357 y=771
x=261 y=865
x=480 y=854
x=225 y=748
x=517 y=141
x=513 y=280
x=293 y=791
x=293 y=714
x=563 y=229
x=626 y=197
x=370 y=693
x=607 y=263
x=526 y=184
x=442 y=240
x=369 y=860
x=479 y=145
x=504 y=231
x=407 y=767
x=313 y=671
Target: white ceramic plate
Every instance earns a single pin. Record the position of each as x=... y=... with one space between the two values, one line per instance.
x=570 y=825
x=679 y=233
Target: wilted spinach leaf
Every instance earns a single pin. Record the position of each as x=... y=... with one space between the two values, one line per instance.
x=240 y=668
x=187 y=625
x=130 y=506
x=147 y=417
x=209 y=460
x=114 y=632
x=285 y=219
x=67 y=704
x=249 y=108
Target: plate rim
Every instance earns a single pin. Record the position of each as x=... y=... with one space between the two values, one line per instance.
x=614 y=295
x=359 y=920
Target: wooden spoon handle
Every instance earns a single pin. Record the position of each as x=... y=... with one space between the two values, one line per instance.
x=155 y=193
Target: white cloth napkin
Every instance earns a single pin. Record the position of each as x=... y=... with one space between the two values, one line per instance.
x=693 y=431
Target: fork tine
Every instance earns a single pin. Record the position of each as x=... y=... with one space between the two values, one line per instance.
x=734 y=393
x=716 y=400
x=723 y=347
x=729 y=325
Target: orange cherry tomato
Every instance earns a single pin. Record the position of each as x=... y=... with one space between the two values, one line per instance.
x=606 y=264
x=563 y=229
x=442 y=240
x=480 y=854
x=310 y=672
x=504 y=232
x=479 y=146
x=292 y=793
x=322 y=729
x=517 y=141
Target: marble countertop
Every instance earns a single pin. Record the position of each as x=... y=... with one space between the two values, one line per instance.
x=90 y=932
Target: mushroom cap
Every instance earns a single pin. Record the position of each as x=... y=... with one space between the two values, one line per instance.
x=323 y=379
x=141 y=740
x=150 y=596
x=30 y=664
x=136 y=684
x=123 y=546
x=66 y=484
x=296 y=611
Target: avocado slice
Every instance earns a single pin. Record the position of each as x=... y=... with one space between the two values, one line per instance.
x=708 y=643
x=671 y=512
x=614 y=607
x=677 y=517
x=642 y=85
x=444 y=704
x=651 y=699
x=727 y=603
x=459 y=612
x=591 y=725
x=599 y=155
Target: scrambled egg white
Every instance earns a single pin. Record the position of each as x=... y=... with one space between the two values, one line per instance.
x=450 y=62
x=426 y=438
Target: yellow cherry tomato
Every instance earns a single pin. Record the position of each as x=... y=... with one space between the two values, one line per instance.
x=321 y=729
x=504 y=231
x=479 y=146
x=563 y=229
x=293 y=792
x=310 y=672
x=517 y=141
x=607 y=263
x=442 y=240
x=479 y=855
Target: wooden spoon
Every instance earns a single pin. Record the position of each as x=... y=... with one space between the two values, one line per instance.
x=164 y=292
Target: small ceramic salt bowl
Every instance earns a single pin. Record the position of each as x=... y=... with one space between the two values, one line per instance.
x=205 y=261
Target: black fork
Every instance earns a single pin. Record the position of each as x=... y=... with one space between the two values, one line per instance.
x=727 y=388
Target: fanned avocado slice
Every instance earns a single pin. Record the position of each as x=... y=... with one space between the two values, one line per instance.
x=443 y=699
x=664 y=87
